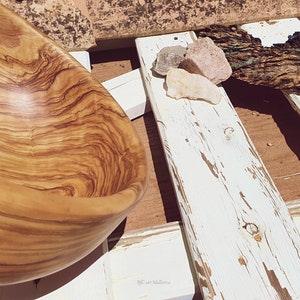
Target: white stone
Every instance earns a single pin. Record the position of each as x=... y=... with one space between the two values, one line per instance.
x=182 y=84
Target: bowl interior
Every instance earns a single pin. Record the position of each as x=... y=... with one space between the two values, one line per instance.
x=60 y=130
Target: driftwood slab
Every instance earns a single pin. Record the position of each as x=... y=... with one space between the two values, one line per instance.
x=61 y=20
x=118 y=19
x=71 y=163
x=277 y=66
x=243 y=242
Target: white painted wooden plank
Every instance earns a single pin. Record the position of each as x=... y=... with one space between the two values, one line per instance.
x=294 y=209
x=128 y=90
x=152 y=264
x=83 y=57
x=294 y=100
x=239 y=229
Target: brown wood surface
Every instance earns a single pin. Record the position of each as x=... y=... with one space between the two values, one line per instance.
x=269 y=119
x=131 y=18
x=71 y=163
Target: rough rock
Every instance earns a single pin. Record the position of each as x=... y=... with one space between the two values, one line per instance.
x=205 y=58
x=61 y=20
x=168 y=57
x=182 y=84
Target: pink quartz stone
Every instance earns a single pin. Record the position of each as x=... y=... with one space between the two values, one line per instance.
x=205 y=58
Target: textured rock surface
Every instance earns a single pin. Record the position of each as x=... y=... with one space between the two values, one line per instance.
x=182 y=84
x=277 y=66
x=205 y=58
x=168 y=57
x=61 y=20
x=127 y=18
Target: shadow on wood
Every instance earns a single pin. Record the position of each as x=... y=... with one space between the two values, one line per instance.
x=269 y=101
x=37 y=288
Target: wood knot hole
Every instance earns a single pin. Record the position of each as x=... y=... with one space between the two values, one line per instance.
x=228 y=131
x=253 y=229
x=242 y=261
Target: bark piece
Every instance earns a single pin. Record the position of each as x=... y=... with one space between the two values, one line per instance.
x=182 y=84
x=205 y=58
x=277 y=66
x=61 y=20
x=167 y=58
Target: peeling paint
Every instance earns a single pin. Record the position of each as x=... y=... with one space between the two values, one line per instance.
x=282 y=292
x=211 y=166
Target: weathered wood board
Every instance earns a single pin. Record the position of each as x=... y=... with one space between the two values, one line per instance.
x=238 y=228
x=294 y=209
x=120 y=19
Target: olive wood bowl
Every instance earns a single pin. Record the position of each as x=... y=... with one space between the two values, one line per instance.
x=71 y=164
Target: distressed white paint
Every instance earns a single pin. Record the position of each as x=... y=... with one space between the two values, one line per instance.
x=128 y=90
x=151 y=264
x=273 y=31
x=239 y=229
x=294 y=209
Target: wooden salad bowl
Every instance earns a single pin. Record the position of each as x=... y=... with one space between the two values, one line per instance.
x=71 y=164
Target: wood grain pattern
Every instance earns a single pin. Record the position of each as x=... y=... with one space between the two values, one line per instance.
x=71 y=163
x=119 y=19
x=238 y=228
